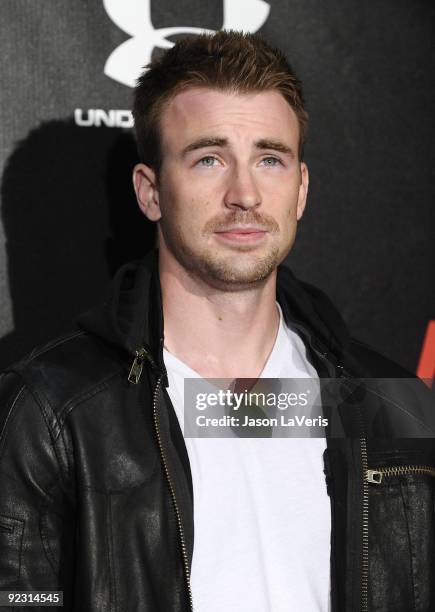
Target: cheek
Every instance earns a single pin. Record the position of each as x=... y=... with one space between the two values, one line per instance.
x=184 y=215
x=182 y=198
x=285 y=206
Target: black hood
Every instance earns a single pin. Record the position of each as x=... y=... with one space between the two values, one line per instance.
x=131 y=317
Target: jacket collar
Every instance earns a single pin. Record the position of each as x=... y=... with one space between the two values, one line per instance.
x=131 y=317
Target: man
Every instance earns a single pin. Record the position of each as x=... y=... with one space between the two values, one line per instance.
x=101 y=495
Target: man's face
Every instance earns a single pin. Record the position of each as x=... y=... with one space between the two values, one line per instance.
x=231 y=187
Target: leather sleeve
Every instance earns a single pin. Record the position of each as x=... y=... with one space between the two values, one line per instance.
x=36 y=507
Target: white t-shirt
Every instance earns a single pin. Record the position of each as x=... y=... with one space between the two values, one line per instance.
x=261 y=511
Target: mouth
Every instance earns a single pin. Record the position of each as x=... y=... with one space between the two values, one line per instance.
x=242 y=233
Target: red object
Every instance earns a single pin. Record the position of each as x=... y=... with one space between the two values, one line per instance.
x=426 y=366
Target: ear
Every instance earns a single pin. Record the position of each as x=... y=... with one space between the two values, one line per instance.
x=147 y=194
x=303 y=191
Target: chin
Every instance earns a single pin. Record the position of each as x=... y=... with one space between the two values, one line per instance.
x=233 y=273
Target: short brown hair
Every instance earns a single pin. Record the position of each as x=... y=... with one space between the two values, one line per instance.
x=227 y=60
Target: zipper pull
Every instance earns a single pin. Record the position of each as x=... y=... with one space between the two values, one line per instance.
x=136 y=366
x=374 y=476
x=142 y=353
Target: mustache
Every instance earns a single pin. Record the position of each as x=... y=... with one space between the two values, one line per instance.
x=220 y=223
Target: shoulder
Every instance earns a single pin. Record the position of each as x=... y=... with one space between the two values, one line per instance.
x=367 y=361
x=60 y=374
x=395 y=402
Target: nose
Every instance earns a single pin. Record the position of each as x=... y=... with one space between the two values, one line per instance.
x=242 y=190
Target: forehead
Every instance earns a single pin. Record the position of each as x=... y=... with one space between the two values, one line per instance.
x=201 y=111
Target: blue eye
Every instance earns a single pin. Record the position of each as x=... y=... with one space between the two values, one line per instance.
x=271 y=161
x=207 y=161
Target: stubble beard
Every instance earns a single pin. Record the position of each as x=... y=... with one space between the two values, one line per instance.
x=230 y=269
x=232 y=272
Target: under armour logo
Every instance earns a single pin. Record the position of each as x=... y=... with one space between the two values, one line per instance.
x=126 y=62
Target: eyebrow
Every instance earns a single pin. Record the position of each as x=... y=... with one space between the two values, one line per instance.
x=263 y=143
x=274 y=145
x=202 y=143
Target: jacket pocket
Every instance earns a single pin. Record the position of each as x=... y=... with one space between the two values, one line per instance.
x=401 y=538
x=11 y=538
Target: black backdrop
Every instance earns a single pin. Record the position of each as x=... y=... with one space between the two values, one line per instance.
x=68 y=215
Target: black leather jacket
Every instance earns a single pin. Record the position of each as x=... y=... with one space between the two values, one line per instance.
x=95 y=485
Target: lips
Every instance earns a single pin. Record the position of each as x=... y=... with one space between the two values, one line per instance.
x=242 y=230
x=242 y=234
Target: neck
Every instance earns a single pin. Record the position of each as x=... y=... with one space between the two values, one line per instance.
x=217 y=333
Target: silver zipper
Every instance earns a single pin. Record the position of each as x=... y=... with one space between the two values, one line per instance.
x=136 y=367
x=376 y=475
x=172 y=491
x=364 y=514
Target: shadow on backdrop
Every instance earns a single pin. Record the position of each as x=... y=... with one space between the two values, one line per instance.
x=71 y=219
